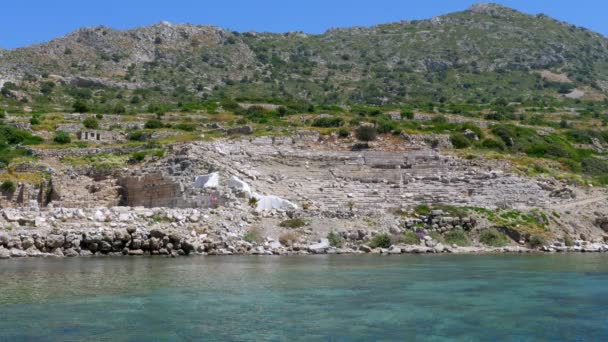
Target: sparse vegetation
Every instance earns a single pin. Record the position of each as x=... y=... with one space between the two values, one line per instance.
x=380 y=241
x=293 y=223
x=253 y=235
x=457 y=237
x=335 y=240
x=492 y=237
x=410 y=238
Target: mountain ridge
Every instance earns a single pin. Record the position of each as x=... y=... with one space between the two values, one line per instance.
x=452 y=57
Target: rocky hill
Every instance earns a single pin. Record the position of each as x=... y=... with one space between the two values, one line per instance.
x=477 y=55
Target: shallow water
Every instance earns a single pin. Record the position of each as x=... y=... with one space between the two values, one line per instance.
x=327 y=298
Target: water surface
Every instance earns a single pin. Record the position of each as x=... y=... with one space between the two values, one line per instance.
x=312 y=298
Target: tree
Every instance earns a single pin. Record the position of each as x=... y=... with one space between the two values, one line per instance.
x=366 y=133
x=62 y=137
x=80 y=107
x=91 y=123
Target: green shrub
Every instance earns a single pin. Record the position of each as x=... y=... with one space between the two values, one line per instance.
x=185 y=127
x=91 y=123
x=493 y=237
x=335 y=240
x=381 y=241
x=343 y=133
x=536 y=241
x=385 y=126
x=493 y=144
x=332 y=121
x=293 y=223
x=459 y=140
x=253 y=235
x=410 y=238
x=8 y=186
x=594 y=166
x=365 y=133
x=422 y=209
x=12 y=136
x=407 y=114
x=137 y=136
x=457 y=237
x=473 y=128
x=154 y=124
x=62 y=137
x=80 y=107
x=138 y=156
x=439 y=119
x=35 y=120
x=568 y=241
x=437 y=236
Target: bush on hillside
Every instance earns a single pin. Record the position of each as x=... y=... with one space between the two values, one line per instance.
x=365 y=133
x=459 y=140
x=91 y=123
x=493 y=237
x=62 y=137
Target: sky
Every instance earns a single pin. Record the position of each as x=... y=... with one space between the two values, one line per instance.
x=25 y=22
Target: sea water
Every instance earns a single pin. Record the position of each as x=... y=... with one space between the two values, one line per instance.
x=306 y=298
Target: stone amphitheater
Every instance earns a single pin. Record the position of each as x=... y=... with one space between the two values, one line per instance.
x=306 y=172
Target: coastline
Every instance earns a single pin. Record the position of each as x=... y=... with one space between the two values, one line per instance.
x=138 y=231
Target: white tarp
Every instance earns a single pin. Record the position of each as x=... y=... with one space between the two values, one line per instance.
x=211 y=180
x=269 y=202
x=237 y=185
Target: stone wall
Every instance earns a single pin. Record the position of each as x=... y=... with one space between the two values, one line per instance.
x=152 y=190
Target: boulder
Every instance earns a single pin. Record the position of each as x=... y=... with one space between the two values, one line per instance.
x=17 y=253
x=239 y=186
x=211 y=180
x=27 y=242
x=320 y=247
x=136 y=252
x=4 y=253
x=70 y=252
x=365 y=248
x=12 y=215
x=55 y=241
x=157 y=233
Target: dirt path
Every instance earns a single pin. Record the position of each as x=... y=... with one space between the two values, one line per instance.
x=579 y=203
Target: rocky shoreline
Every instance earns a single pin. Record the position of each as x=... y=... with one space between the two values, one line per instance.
x=232 y=230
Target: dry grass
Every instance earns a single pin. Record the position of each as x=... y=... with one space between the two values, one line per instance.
x=289 y=238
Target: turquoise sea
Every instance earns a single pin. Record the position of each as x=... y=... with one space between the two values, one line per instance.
x=311 y=298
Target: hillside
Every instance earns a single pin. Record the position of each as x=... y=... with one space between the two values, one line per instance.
x=475 y=56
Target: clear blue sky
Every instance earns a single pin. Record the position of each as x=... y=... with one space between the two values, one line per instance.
x=30 y=21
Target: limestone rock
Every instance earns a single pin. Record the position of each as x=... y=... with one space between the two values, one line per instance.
x=55 y=241
x=4 y=253
x=320 y=247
